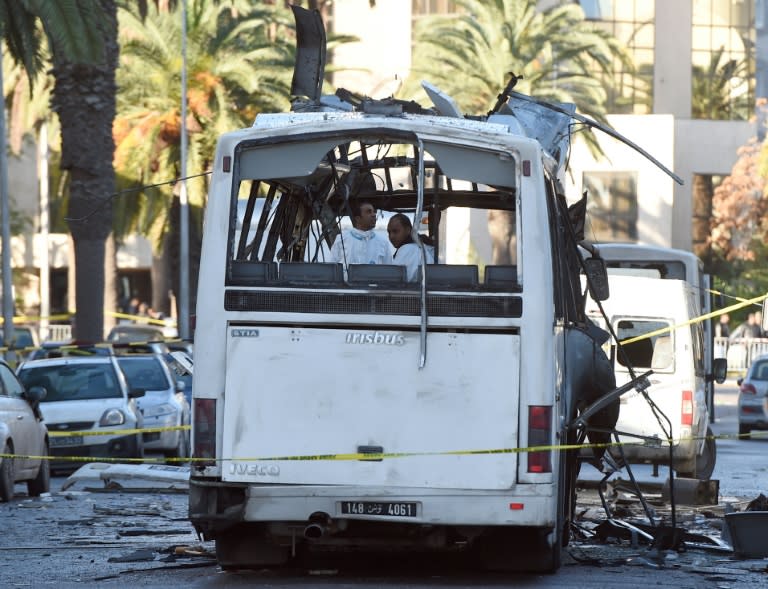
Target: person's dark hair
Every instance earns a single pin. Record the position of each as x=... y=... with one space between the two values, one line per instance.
x=404 y=220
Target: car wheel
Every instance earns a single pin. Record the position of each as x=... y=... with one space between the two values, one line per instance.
x=42 y=482
x=744 y=431
x=6 y=475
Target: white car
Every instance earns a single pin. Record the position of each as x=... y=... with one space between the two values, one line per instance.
x=163 y=404
x=88 y=399
x=753 y=398
x=22 y=433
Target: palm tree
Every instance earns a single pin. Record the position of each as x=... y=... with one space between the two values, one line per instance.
x=239 y=63
x=84 y=98
x=471 y=54
x=82 y=42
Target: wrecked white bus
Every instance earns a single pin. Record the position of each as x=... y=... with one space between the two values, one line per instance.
x=342 y=407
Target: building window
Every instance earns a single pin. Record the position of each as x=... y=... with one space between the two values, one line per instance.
x=723 y=59
x=632 y=23
x=612 y=205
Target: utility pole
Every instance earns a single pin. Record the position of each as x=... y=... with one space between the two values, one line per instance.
x=45 y=262
x=183 y=319
x=5 y=212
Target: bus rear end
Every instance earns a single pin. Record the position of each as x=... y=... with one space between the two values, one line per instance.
x=348 y=408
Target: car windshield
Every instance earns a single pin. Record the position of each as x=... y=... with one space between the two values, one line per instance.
x=144 y=372
x=65 y=382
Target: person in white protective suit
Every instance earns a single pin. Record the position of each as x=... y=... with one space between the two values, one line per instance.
x=361 y=244
x=407 y=251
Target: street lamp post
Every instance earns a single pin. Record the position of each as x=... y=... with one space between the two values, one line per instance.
x=6 y=231
x=183 y=319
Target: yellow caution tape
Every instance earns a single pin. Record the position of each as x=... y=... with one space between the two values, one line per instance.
x=357 y=456
x=122 y=432
x=169 y=322
x=38 y=318
x=743 y=303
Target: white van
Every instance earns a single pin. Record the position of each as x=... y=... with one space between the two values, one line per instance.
x=669 y=263
x=674 y=351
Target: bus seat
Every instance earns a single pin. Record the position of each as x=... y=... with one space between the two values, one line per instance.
x=452 y=276
x=309 y=273
x=376 y=274
x=502 y=275
x=245 y=273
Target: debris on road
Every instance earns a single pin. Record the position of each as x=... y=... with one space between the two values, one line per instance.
x=132 y=477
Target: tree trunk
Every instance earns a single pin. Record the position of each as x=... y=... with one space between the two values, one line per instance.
x=84 y=97
x=195 y=251
x=161 y=278
x=501 y=226
x=89 y=277
x=703 y=191
x=71 y=280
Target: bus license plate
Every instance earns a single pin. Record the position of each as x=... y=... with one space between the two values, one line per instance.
x=383 y=508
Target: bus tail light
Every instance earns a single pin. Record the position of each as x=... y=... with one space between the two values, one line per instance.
x=540 y=434
x=686 y=416
x=204 y=427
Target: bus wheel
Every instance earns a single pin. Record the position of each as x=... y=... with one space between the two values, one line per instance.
x=248 y=546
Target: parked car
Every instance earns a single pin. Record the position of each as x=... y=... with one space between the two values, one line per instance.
x=91 y=395
x=180 y=345
x=62 y=349
x=182 y=366
x=753 y=397
x=24 y=338
x=163 y=404
x=22 y=432
x=74 y=349
x=130 y=332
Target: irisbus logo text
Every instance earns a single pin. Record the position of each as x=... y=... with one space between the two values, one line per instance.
x=375 y=338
